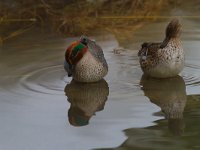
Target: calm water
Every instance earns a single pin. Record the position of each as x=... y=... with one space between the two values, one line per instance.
x=42 y=109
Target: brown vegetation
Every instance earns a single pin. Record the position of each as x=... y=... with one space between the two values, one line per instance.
x=73 y=17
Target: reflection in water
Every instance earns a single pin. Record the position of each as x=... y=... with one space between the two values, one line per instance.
x=157 y=137
x=170 y=95
x=85 y=99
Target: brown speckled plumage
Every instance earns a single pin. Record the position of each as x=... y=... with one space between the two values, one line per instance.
x=165 y=59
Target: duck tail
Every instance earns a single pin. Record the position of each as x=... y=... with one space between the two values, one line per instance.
x=173 y=30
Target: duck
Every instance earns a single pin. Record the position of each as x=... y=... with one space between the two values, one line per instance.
x=85 y=61
x=165 y=59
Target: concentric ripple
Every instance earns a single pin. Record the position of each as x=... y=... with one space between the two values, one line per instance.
x=52 y=80
x=49 y=80
x=191 y=75
x=191 y=80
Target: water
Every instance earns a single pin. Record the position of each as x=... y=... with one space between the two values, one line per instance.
x=40 y=108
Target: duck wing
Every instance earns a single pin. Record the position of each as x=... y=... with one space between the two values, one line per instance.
x=149 y=49
x=97 y=52
x=148 y=54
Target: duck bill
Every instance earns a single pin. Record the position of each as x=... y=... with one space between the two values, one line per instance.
x=164 y=43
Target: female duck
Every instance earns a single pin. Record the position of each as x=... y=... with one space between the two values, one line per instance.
x=84 y=61
x=165 y=59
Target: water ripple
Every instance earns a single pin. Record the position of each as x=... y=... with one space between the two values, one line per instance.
x=50 y=80
x=191 y=74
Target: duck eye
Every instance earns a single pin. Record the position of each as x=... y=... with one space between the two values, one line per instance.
x=84 y=41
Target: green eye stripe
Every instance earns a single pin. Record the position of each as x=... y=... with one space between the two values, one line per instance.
x=77 y=48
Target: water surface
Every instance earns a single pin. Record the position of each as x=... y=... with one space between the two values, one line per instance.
x=41 y=108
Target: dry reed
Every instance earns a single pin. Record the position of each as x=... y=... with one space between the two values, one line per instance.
x=74 y=17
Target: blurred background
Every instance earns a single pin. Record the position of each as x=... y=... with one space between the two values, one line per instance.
x=76 y=17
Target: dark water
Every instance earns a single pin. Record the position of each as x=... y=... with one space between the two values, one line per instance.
x=40 y=108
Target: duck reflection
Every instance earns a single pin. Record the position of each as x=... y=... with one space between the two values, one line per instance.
x=157 y=137
x=85 y=100
x=170 y=95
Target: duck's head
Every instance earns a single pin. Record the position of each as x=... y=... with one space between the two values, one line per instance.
x=173 y=30
x=77 y=117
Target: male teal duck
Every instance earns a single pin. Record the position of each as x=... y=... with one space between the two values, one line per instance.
x=165 y=59
x=85 y=61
